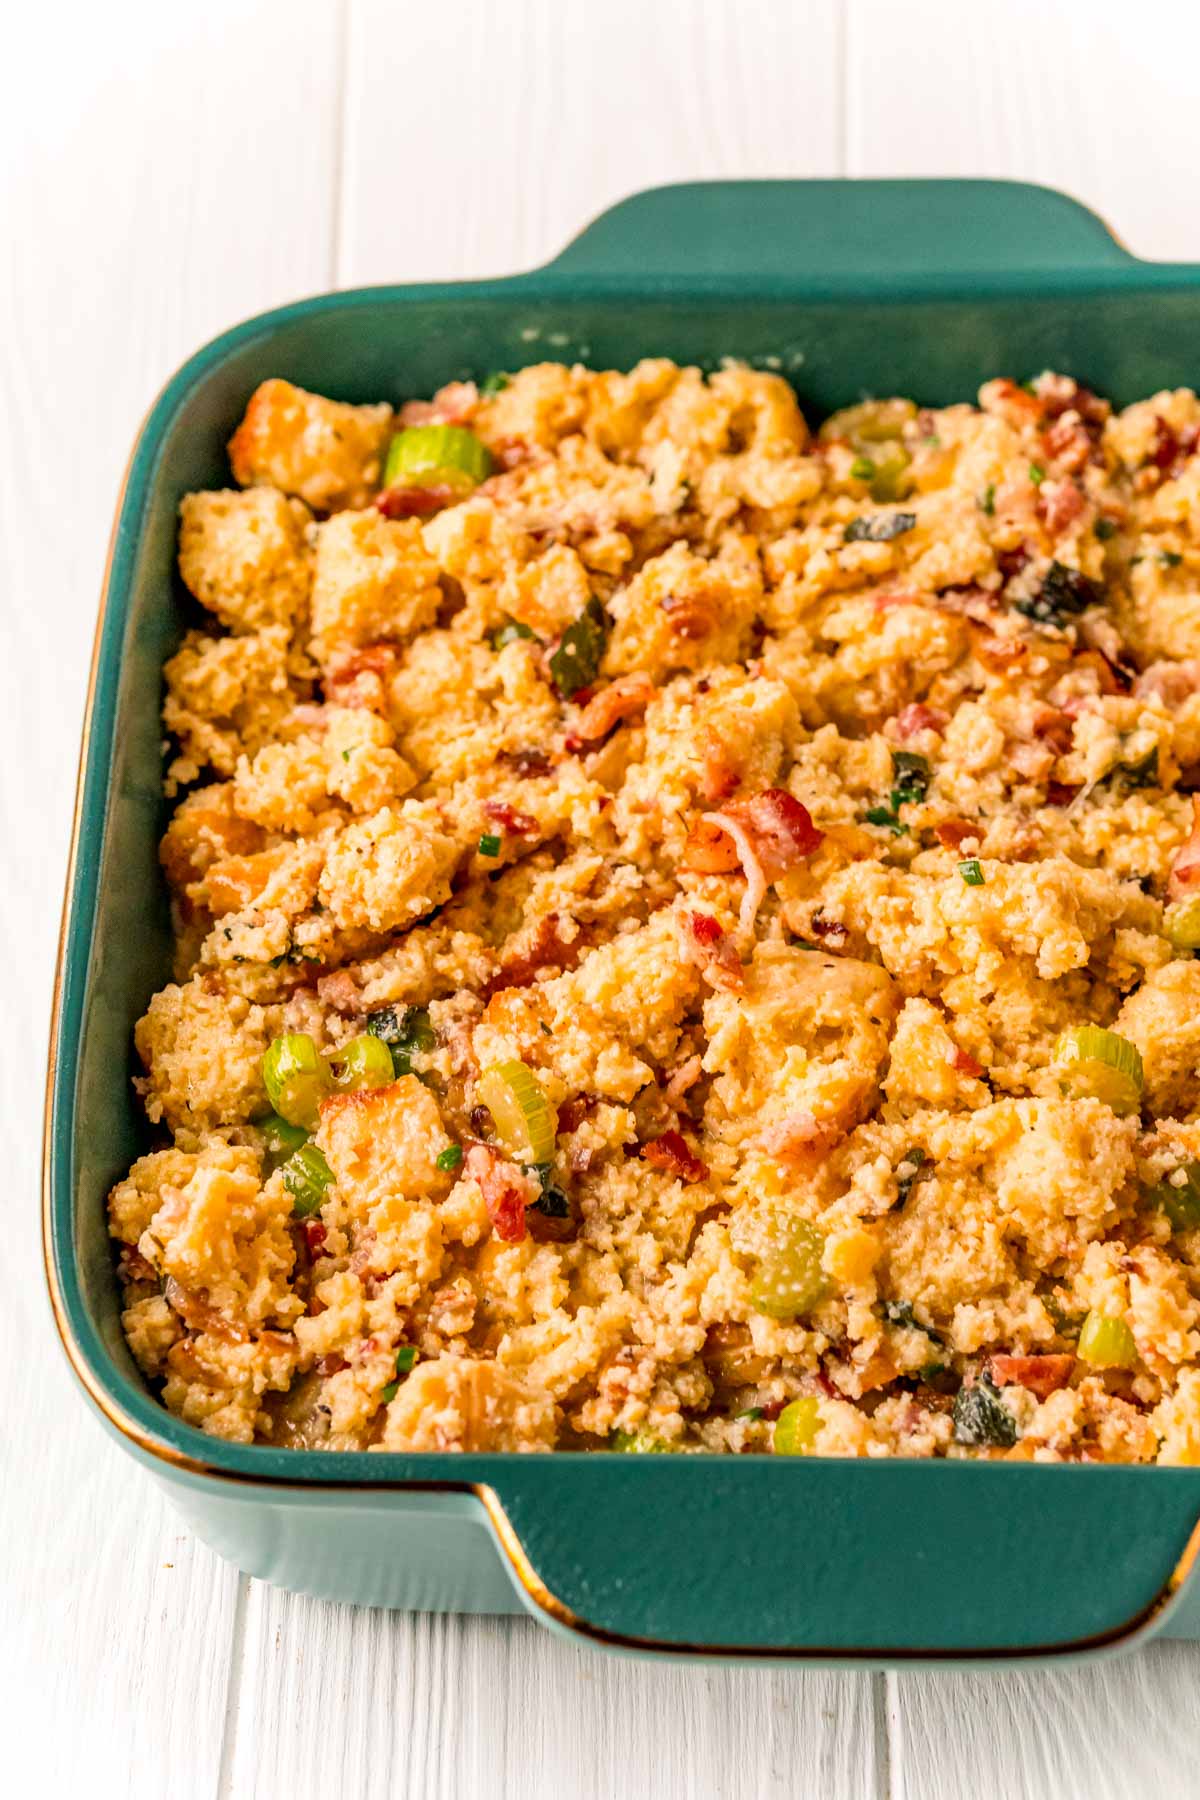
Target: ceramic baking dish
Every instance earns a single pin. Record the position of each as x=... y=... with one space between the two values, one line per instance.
x=920 y=288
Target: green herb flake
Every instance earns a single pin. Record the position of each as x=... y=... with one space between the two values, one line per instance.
x=862 y=469
x=971 y=872
x=1126 y=777
x=981 y=1417
x=489 y=844
x=987 y=500
x=1037 y=474
x=390 y=1391
x=750 y=1412
x=510 y=632
x=900 y=1313
x=450 y=1158
x=345 y=756
x=576 y=662
x=885 y=815
x=1105 y=529
x=1170 y=559
x=913 y=1166
x=879 y=530
x=405 y=1030
x=407 y=1357
x=911 y=774
x=495 y=383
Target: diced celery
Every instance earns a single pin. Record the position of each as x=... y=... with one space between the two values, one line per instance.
x=797 y=1427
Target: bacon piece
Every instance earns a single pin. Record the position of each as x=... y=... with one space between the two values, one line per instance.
x=545 y=950
x=1173 y=682
x=952 y=834
x=453 y=404
x=965 y=1064
x=1068 y=443
x=705 y=944
x=709 y=849
x=340 y=991
x=198 y=1315
x=332 y=1364
x=1053 y=726
x=681 y=1079
x=1060 y=504
x=506 y=1191
x=919 y=717
x=1061 y=793
x=1040 y=1374
x=357 y=678
x=1165 y=448
x=771 y=833
x=691 y=616
x=526 y=762
x=314 y=1235
x=521 y=824
x=794 y=1137
x=672 y=1153
x=623 y=698
x=1185 y=870
x=416 y=502
x=718 y=777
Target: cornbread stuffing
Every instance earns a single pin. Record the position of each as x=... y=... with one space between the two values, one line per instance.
x=684 y=927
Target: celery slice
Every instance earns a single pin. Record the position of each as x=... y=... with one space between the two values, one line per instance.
x=1107 y=1342
x=437 y=456
x=525 y=1120
x=296 y=1078
x=1100 y=1065
x=797 y=1427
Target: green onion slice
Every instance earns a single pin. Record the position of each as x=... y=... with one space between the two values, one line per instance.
x=637 y=1443
x=797 y=1427
x=576 y=662
x=789 y=1279
x=296 y=1078
x=1106 y=1342
x=362 y=1062
x=525 y=1120
x=437 y=456
x=489 y=844
x=1100 y=1065
x=450 y=1159
x=971 y=871
x=1178 y=1194
x=405 y=1030
x=306 y=1175
x=282 y=1140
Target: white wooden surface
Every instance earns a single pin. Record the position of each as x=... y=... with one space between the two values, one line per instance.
x=165 y=169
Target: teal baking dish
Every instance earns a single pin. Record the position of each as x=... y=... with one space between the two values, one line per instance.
x=924 y=288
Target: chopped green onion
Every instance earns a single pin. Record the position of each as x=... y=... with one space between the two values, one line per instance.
x=1179 y=1196
x=495 y=383
x=1182 y=924
x=862 y=469
x=971 y=871
x=509 y=633
x=437 y=456
x=912 y=776
x=885 y=815
x=1125 y=777
x=1106 y=1342
x=345 y=756
x=407 y=1357
x=749 y=1412
x=525 y=1120
x=576 y=662
x=797 y=1427
x=362 y=1062
x=282 y=1139
x=890 y=479
x=1170 y=559
x=450 y=1158
x=306 y=1176
x=1100 y=1065
x=987 y=500
x=981 y=1417
x=1105 y=529
x=390 y=1391
x=637 y=1443
x=1037 y=474
x=1066 y=1323
x=405 y=1030
x=296 y=1078
x=879 y=530
x=489 y=844
x=789 y=1279
x=901 y=1314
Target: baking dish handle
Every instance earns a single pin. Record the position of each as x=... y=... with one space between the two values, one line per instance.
x=872 y=1560
x=844 y=230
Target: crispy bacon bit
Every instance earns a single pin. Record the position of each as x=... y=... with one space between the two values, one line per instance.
x=709 y=849
x=1068 y=443
x=506 y=1192
x=416 y=502
x=453 y=404
x=545 y=950
x=919 y=717
x=573 y=1112
x=358 y=677
x=1060 y=504
x=340 y=991
x=1173 y=682
x=672 y=1153
x=526 y=762
x=681 y=1079
x=333 y=1364
x=692 y=616
x=794 y=1137
x=1061 y=793
x=623 y=698
x=1185 y=870
x=829 y=931
x=705 y=944
x=965 y=1064
x=1165 y=448
x=520 y=824
x=1053 y=726
x=1011 y=562
x=314 y=1235
x=997 y=652
x=952 y=834
x=132 y=1266
x=771 y=834
x=198 y=1315
x=1040 y=1374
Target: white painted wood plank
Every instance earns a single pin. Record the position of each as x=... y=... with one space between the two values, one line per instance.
x=163 y=170
x=1107 y=1731
x=1099 y=100
x=481 y=138
x=431 y=1708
